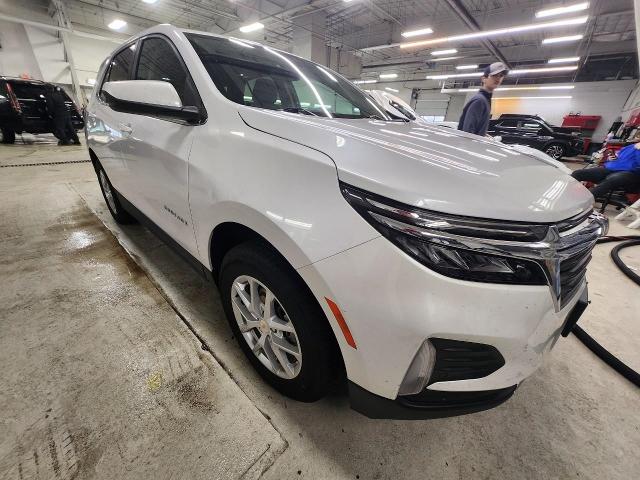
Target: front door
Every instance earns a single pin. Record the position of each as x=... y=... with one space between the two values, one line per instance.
x=156 y=151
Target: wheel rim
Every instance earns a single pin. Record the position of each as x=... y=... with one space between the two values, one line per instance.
x=266 y=327
x=106 y=188
x=555 y=151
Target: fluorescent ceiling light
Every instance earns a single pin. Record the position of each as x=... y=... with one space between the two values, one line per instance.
x=570 y=38
x=359 y=82
x=550 y=12
x=391 y=89
x=415 y=33
x=511 y=72
x=543 y=70
x=442 y=59
x=505 y=89
x=466 y=67
x=499 y=31
x=252 y=27
x=533 y=98
x=444 y=52
x=388 y=75
x=149 y=1
x=564 y=60
x=454 y=75
x=117 y=24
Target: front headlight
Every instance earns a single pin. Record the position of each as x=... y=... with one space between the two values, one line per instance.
x=447 y=243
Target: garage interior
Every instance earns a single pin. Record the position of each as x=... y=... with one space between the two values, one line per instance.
x=118 y=361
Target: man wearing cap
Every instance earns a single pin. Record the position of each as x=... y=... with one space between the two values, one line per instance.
x=477 y=112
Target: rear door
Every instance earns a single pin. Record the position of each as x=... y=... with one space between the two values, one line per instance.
x=507 y=129
x=31 y=96
x=156 y=151
x=530 y=132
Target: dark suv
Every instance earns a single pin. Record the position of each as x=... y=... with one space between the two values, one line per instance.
x=535 y=132
x=23 y=108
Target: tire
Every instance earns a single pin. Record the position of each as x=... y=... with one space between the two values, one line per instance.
x=8 y=136
x=119 y=214
x=309 y=380
x=555 y=150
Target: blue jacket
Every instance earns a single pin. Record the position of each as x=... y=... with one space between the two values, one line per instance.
x=476 y=114
x=628 y=160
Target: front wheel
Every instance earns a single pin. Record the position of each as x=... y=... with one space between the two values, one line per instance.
x=119 y=214
x=555 y=151
x=8 y=135
x=279 y=325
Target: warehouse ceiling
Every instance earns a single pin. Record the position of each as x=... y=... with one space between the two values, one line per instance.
x=371 y=30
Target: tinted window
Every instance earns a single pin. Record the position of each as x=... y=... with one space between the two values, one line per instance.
x=509 y=123
x=158 y=61
x=24 y=90
x=529 y=125
x=121 y=65
x=258 y=76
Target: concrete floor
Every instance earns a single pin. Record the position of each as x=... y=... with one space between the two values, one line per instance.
x=118 y=363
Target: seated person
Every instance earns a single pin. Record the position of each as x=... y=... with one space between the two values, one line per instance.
x=623 y=173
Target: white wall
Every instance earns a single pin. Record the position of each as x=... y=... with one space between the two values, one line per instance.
x=16 y=55
x=632 y=103
x=47 y=47
x=88 y=55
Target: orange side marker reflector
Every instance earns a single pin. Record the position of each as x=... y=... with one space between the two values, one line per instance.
x=343 y=325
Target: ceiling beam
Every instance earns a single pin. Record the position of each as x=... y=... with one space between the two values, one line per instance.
x=463 y=14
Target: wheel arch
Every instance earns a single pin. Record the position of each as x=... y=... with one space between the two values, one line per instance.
x=229 y=234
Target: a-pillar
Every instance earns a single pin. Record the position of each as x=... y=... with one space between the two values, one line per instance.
x=636 y=7
x=308 y=37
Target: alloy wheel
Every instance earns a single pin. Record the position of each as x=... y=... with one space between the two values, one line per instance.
x=266 y=327
x=555 y=152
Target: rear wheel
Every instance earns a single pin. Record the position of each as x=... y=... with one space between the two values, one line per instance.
x=119 y=214
x=555 y=151
x=280 y=327
x=8 y=135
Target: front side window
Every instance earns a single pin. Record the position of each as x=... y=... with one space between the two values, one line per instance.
x=258 y=76
x=120 y=67
x=158 y=61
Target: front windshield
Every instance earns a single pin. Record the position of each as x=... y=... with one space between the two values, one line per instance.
x=258 y=76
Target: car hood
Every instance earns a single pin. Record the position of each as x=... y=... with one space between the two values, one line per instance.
x=433 y=167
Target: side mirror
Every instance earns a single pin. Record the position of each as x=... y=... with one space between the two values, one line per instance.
x=149 y=97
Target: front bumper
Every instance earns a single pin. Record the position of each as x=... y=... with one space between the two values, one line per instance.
x=392 y=304
x=426 y=405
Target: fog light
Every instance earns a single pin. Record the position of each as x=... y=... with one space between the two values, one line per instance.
x=417 y=376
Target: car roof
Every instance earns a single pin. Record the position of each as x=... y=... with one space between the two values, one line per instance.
x=22 y=80
x=170 y=30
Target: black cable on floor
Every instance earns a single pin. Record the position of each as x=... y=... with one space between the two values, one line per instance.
x=606 y=356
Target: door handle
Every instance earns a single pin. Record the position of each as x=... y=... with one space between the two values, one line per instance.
x=125 y=128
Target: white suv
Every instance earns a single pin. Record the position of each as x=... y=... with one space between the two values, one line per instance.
x=434 y=268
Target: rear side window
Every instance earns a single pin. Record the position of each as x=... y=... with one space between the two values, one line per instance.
x=24 y=90
x=120 y=67
x=509 y=123
x=159 y=61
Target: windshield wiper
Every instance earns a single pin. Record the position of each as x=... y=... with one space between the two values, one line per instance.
x=299 y=110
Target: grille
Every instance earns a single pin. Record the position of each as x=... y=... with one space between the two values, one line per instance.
x=572 y=271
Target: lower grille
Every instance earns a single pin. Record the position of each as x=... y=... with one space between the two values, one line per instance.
x=458 y=360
